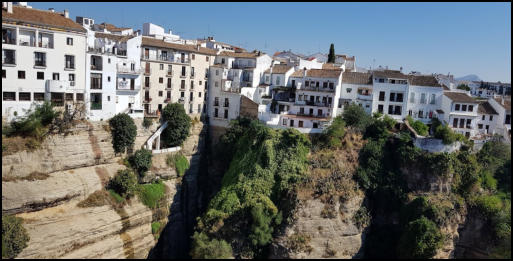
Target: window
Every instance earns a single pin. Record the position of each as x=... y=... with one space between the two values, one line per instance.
x=39 y=59
x=199 y=94
x=200 y=82
x=470 y=108
x=80 y=97
x=483 y=118
x=381 y=96
x=422 y=98
x=479 y=126
x=226 y=102
x=161 y=80
x=182 y=85
x=193 y=56
x=457 y=107
x=39 y=96
x=40 y=75
x=226 y=114
x=206 y=58
x=161 y=67
x=96 y=80
x=4 y=74
x=267 y=78
x=399 y=97
x=421 y=114
x=491 y=117
x=21 y=74
x=183 y=70
x=69 y=97
x=8 y=57
x=9 y=96
x=71 y=78
x=217 y=72
x=325 y=85
x=300 y=124
x=8 y=36
x=69 y=41
x=96 y=101
x=412 y=97
x=392 y=96
x=307 y=83
x=462 y=123
x=284 y=122
x=390 y=109
x=348 y=90
x=24 y=96
x=216 y=84
x=432 y=100
x=455 y=123
x=216 y=101
x=108 y=78
x=216 y=112
x=291 y=123
x=380 y=108
x=191 y=96
x=192 y=71
x=192 y=84
x=108 y=60
x=469 y=122
x=182 y=94
x=331 y=85
x=222 y=60
x=398 y=110
x=199 y=108
x=278 y=80
x=160 y=93
x=464 y=107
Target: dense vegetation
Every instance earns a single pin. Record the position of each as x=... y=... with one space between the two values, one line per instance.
x=179 y=124
x=123 y=131
x=444 y=132
x=418 y=126
x=253 y=198
x=179 y=162
x=14 y=236
x=124 y=183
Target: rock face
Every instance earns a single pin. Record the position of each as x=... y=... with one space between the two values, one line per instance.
x=337 y=237
x=71 y=168
x=474 y=239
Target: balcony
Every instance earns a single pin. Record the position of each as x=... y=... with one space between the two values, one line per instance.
x=313 y=88
x=128 y=70
x=96 y=106
x=169 y=73
x=364 y=97
x=323 y=115
x=96 y=67
x=147 y=100
x=181 y=100
x=147 y=71
x=121 y=52
x=167 y=100
x=319 y=104
x=27 y=43
x=125 y=86
x=147 y=85
x=59 y=86
x=45 y=45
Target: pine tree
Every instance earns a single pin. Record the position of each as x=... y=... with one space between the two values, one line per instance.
x=331 y=55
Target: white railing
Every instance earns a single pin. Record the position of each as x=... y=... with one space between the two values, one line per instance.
x=129 y=70
x=59 y=86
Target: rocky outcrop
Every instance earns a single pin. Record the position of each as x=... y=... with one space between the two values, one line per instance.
x=337 y=237
x=474 y=237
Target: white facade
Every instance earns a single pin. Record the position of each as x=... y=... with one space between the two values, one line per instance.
x=460 y=113
x=158 y=32
x=40 y=63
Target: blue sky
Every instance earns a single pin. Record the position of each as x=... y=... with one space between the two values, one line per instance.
x=460 y=38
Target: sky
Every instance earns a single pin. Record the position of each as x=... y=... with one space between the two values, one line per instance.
x=456 y=38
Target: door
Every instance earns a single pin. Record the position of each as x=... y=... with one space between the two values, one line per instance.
x=147 y=68
x=132 y=84
x=293 y=83
x=291 y=123
x=300 y=124
x=146 y=53
x=160 y=107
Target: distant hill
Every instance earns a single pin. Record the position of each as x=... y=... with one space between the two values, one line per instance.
x=470 y=77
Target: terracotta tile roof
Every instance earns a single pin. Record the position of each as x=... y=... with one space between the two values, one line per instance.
x=34 y=17
x=119 y=38
x=276 y=53
x=389 y=74
x=356 y=78
x=460 y=97
x=113 y=28
x=506 y=105
x=241 y=55
x=486 y=108
x=423 y=80
x=298 y=73
x=281 y=68
x=147 y=41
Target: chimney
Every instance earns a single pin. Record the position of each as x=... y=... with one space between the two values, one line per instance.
x=9 y=7
x=502 y=100
x=66 y=13
x=51 y=10
x=197 y=47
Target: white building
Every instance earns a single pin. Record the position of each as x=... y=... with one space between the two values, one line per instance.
x=489 y=89
x=211 y=43
x=232 y=75
x=43 y=58
x=487 y=120
x=460 y=112
x=113 y=82
x=356 y=87
x=502 y=106
x=390 y=90
x=424 y=97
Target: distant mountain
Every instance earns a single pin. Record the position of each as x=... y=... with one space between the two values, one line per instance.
x=470 y=77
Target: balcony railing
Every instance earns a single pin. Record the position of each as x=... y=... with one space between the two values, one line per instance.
x=147 y=100
x=167 y=100
x=125 y=86
x=316 y=115
x=96 y=67
x=45 y=45
x=181 y=100
x=128 y=70
x=59 y=86
x=364 y=97
x=27 y=43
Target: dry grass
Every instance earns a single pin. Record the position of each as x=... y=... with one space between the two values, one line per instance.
x=11 y=145
x=35 y=175
x=97 y=199
x=103 y=175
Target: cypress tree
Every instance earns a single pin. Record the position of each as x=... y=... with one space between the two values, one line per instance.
x=331 y=55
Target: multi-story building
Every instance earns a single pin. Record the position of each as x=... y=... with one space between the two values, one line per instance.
x=460 y=112
x=234 y=74
x=356 y=87
x=489 y=89
x=113 y=82
x=502 y=106
x=390 y=90
x=487 y=119
x=211 y=43
x=43 y=58
x=424 y=97
x=174 y=73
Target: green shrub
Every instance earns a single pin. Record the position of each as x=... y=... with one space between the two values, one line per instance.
x=362 y=217
x=354 y=115
x=332 y=136
x=141 y=161
x=116 y=196
x=179 y=124
x=123 y=131
x=418 y=126
x=489 y=205
x=35 y=123
x=421 y=239
x=179 y=162
x=147 y=122
x=204 y=248
x=463 y=87
x=389 y=122
x=124 y=183
x=155 y=227
x=150 y=194
x=14 y=236
x=378 y=129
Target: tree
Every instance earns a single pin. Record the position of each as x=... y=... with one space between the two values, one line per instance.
x=332 y=136
x=463 y=87
x=178 y=124
x=331 y=55
x=204 y=248
x=141 y=161
x=123 y=132
x=124 y=183
x=354 y=115
x=421 y=239
x=14 y=236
